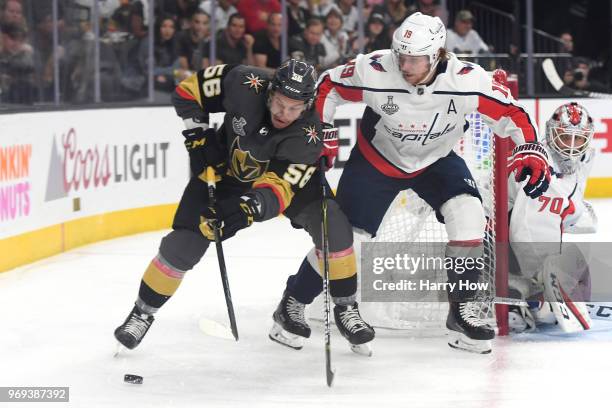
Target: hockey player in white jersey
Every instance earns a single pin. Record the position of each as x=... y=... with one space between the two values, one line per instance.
x=417 y=95
x=537 y=226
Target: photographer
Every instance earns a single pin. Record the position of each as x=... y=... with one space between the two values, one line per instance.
x=579 y=78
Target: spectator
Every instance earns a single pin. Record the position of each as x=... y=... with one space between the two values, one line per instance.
x=183 y=10
x=350 y=16
x=129 y=18
x=223 y=11
x=192 y=43
x=462 y=38
x=566 y=65
x=335 y=40
x=16 y=66
x=297 y=17
x=393 y=12
x=376 y=37
x=307 y=47
x=42 y=43
x=256 y=13
x=121 y=16
x=567 y=43
x=348 y=11
x=431 y=8
x=166 y=53
x=12 y=13
x=234 y=46
x=266 y=50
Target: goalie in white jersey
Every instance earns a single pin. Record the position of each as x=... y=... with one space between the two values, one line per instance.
x=417 y=95
x=537 y=226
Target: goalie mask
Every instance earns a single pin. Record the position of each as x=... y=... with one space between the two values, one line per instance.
x=419 y=35
x=568 y=134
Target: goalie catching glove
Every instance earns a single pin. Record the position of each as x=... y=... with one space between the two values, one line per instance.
x=330 y=146
x=229 y=216
x=204 y=150
x=531 y=159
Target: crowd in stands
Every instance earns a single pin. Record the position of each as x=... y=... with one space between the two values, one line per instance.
x=322 y=32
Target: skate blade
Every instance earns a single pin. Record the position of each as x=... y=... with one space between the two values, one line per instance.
x=282 y=336
x=460 y=341
x=362 y=349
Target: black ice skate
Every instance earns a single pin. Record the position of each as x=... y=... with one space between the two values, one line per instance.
x=467 y=331
x=290 y=327
x=132 y=331
x=354 y=328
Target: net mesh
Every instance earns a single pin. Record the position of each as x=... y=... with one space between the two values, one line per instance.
x=410 y=219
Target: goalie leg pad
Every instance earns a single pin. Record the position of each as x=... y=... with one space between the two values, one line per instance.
x=520 y=319
x=571 y=316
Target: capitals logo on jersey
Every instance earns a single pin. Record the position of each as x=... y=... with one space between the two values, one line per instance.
x=375 y=63
x=465 y=70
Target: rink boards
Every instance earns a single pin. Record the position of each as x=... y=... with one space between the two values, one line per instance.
x=69 y=178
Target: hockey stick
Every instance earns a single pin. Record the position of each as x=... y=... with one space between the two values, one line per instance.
x=548 y=66
x=212 y=185
x=329 y=372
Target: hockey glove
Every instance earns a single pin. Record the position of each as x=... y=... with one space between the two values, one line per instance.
x=229 y=216
x=204 y=150
x=531 y=159
x=330 y=146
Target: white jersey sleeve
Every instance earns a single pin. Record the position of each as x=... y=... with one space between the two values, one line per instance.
x=339 y=85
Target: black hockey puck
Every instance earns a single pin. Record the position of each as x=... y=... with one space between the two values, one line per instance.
x=132 y=379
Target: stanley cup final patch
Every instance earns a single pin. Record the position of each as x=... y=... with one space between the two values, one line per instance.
x=389 y=108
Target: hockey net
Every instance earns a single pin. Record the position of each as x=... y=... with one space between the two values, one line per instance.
x=410 y=219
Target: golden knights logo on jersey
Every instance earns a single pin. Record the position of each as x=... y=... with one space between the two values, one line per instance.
x=244 y=166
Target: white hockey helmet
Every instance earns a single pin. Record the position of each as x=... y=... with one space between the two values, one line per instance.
x=420 y=34
x=569 y=132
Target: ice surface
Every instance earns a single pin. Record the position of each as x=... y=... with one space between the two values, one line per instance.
x=57 y=317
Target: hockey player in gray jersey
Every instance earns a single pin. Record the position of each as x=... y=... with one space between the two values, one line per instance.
x=417 y=96
x=266 y=155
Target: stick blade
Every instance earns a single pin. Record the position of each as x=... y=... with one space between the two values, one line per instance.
x=551 y=74
x=330 y=378
x=215 y=329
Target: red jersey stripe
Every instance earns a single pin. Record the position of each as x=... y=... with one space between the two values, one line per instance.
x=326 y=86
x=379 y=162
x=184 y=94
